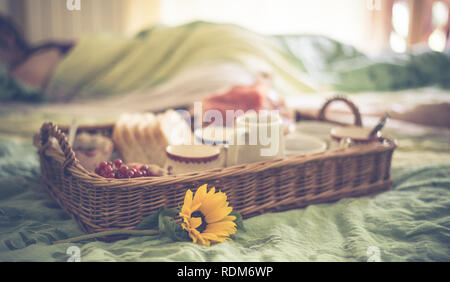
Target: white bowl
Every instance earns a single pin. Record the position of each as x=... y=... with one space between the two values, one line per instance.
x=314 y=128
x=301 y=144
x=214 y=135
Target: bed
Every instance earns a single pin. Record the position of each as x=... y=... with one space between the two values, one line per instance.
x=409 y=223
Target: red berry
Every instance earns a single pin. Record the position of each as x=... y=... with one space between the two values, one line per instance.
x=135 y=166
x=108 y=169
x=118 y=163
x=102 y=165
x=145 y=170
x=130 y=173
x=124 y=169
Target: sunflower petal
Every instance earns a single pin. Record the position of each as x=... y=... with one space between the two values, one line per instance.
x=202 y=240
x=224 y=230
x=200 y=194
x=212 y=191
x=213 y=202
x=193 y=237
x=221 y=225
x=196 y=222
x=195 y=207
x=229 y=218
x=213 y=237
x=187 y=201
x=218 y=215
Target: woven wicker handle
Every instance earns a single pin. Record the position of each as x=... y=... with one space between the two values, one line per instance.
x=353 y=108
x=48 y=130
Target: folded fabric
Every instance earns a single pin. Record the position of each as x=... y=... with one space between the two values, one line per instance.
x=105 y=64
x=346 y=69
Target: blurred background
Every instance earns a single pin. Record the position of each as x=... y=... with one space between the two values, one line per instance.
x=369 y=25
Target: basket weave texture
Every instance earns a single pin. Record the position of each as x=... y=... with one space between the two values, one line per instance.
x=100 y=204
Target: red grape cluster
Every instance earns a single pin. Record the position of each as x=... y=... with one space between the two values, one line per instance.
x=119 y=170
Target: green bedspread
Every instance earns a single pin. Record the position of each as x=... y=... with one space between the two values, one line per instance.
x=409 y=223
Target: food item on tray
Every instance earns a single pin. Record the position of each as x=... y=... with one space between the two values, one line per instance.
x=143 y=138
x=138 y=138
x=120 y=170
x=90 y=149
x=175 y=128
x=149 y=169
x=255 y=97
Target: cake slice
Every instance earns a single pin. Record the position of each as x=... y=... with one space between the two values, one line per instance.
x=143 y=138
x=125 y=139
x=175 y=129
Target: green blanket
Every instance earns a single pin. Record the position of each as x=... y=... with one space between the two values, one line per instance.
x=105 y=64
x=409 y=223
x=330 y=62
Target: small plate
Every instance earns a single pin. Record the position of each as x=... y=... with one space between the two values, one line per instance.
x=314 y=128
x=192 y=153
x=301 y=144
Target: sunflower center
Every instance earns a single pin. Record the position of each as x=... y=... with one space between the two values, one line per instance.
x=202 y=227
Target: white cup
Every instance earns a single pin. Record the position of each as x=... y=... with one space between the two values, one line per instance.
x=217 y=136
x=190 y=158
x=257 y=137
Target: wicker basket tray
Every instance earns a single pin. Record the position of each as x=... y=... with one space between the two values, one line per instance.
x=100 y=204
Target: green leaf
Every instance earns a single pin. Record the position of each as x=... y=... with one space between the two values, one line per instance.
x=168 y=226
x=149 y=222
x=164 y=221
x=152 y=221
x=239 y=221
x=168 y=212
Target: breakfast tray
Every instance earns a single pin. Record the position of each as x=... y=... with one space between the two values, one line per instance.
x=100 y=204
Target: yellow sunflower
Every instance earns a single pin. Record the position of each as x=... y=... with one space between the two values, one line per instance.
x=206 y=216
